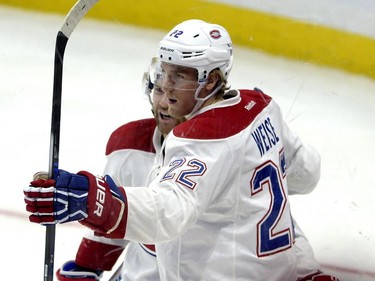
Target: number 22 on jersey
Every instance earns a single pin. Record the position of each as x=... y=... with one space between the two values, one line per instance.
x=194 y=168
x=267 y=178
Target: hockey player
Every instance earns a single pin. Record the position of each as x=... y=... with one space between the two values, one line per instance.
x=218 y=206
x=131 y=152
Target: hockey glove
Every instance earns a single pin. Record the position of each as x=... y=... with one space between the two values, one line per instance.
x=95 y=202
x=100 y=254
x=319 y=277
x=70 y=271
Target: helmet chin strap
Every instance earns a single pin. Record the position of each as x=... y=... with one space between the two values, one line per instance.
x=199 y=100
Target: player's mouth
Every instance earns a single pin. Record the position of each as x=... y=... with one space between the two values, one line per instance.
x=164 y=116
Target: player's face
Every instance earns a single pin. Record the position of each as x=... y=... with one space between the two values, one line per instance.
x=160 y=107
x=179 y=86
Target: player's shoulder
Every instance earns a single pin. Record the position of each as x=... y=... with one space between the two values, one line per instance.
x=136 y=135
x=223 y=122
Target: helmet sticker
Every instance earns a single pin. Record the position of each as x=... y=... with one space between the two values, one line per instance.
x=215 y=34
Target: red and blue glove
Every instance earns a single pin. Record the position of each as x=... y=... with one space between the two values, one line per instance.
x=92 y=258
x=70 y=271
x=319 y=276
x=96 y=202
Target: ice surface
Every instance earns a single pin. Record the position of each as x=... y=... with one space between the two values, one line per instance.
x=329 y=109
x=356 y=16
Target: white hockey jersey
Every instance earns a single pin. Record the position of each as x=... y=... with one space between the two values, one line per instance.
x=131 y=152
x=217 y=207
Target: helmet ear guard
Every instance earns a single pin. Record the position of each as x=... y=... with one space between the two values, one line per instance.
x=200 y=45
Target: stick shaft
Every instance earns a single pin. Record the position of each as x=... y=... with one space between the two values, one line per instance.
x=70 y=22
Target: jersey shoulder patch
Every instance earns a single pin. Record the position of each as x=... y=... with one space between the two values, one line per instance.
x=133 y=135
x=223 y=122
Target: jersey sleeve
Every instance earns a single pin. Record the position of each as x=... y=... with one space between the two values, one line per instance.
x=183 y=189
x=302 y=162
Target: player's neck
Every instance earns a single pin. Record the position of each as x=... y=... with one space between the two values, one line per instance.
x=212 y=100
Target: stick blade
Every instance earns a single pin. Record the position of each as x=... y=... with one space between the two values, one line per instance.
x=75 y=15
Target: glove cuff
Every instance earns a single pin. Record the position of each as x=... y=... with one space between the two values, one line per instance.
x=107 y=209
x=104 y=257
x=71 y=271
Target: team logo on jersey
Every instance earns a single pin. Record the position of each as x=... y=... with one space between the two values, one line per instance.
x=215 y=34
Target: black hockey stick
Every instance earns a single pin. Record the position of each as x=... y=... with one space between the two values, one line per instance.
x=70 y=22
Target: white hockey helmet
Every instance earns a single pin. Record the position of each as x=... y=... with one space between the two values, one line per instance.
x=200 y=45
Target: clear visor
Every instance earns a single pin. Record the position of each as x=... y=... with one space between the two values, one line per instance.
x=176 y=77
x=152 y=81
x=151 y=78
x=147 y=86
x=168 y=76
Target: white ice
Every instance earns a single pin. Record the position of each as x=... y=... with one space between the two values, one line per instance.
x=356 y=16
x=329 y=109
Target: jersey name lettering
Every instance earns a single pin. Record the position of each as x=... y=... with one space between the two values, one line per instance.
x=265 y=136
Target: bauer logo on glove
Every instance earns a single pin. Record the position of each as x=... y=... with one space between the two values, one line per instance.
x=95 y=202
